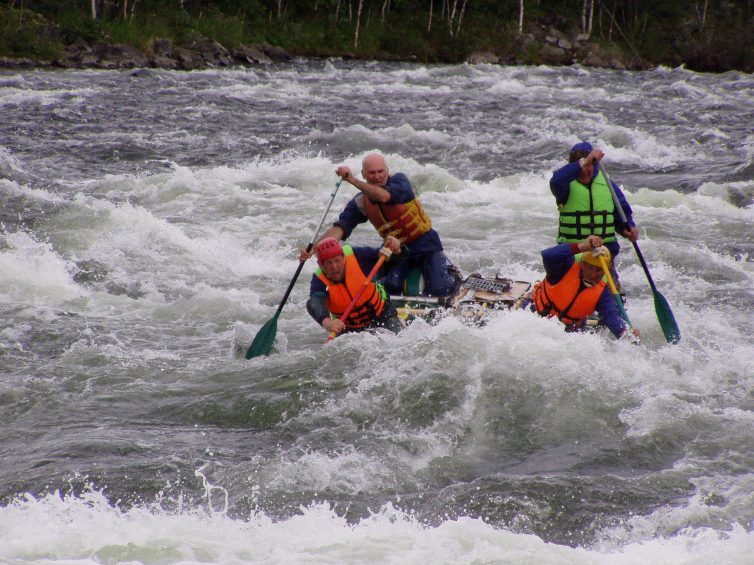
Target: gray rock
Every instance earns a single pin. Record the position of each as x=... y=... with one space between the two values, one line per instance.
x=188 y=60
x=78 y=46
x=277 y=54
x=161 y=47
x=250 y=55
x=16 y=63
x=552 y=55
x=482 y=57
x=123 y=56
x=142 y=73
x=163 y=62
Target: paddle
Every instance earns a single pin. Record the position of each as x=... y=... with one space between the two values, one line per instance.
x=616 y=294
x=384 y=254
x=266 y=335
x=662 y=308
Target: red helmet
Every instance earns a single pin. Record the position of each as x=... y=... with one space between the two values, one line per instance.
x=327 y=249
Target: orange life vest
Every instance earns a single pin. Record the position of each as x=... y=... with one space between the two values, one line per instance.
x=568 y=299
x=340 y=295
x=408 y=222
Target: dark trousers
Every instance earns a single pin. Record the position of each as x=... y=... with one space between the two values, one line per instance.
x=436 y=269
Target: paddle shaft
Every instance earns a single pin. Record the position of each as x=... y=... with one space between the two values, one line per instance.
x=262 y=343
x=614 y=290
x=384 y=254
x=622 y=215
x=618 y=207
x=308 y=250
x=662 y=308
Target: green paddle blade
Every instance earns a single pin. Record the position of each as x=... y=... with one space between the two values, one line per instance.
x=264 y=339
x=666 y=319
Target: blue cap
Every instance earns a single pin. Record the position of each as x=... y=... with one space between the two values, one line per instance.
x=583 y=146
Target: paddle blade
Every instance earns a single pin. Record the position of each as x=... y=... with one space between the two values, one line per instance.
x=264 y=339
x=666 y=319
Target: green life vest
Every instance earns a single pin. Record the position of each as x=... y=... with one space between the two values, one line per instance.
x=588 y=211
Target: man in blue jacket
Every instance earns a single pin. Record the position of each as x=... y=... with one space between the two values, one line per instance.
x=574 y=287
x=389 y=203
x=585 y=204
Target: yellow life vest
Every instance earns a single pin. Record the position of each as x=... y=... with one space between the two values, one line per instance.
x=408 y=222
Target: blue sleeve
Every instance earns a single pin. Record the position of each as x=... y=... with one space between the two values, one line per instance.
x=400 y=189
x=619 y=226
x=316 y=286
x=560 y=183
x=557 y=260
x=317 y=307
x=609 y=313
x=349 y=218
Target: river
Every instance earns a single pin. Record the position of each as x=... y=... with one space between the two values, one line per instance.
x=151 y=223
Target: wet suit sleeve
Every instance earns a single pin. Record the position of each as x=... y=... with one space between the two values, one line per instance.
x=560 y=182
x=349 y=218
x=557 y=260
x=400 y=189
x=317 y=305
x=609 y=313
x=619 y=226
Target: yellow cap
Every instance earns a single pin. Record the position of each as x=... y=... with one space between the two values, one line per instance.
x=588 y=257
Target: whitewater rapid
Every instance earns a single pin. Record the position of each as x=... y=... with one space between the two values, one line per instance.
x=150 y=225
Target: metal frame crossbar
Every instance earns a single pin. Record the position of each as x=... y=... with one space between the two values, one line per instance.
x=497 y=286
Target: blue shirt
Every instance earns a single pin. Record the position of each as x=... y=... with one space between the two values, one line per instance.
x=560 y=186
x=401 y=192
x=557 y=260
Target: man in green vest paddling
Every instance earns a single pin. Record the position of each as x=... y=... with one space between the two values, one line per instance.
x=585 y=203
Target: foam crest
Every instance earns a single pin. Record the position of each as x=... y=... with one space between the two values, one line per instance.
x=270 y=92
x=345 y=472
x=8 y=162
x=631 y=145
x=508 y=87
x=13 y=188
x=31 y=272
x=89 y=526
x=15 y=97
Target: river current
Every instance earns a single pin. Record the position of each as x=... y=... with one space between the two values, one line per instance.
x=150 y=224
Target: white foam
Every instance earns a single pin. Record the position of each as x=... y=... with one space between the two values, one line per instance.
x=55 y=529
x=31 y=272
x=12 y=97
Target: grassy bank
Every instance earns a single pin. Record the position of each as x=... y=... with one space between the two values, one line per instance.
x=664 y=33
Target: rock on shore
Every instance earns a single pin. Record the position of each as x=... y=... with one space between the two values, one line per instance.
x=201 y=53
x=547 y=46
x=550 y=46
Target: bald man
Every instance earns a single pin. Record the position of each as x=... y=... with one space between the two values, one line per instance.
x=389 y=203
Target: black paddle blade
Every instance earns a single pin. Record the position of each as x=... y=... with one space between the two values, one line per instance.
x=666 y=319
x=264 y=339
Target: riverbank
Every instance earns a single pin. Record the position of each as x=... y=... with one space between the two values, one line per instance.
x=550 y=47
x=190 y=41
